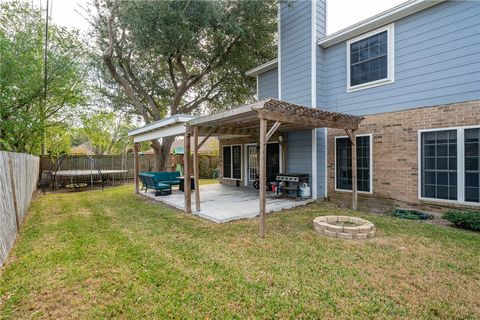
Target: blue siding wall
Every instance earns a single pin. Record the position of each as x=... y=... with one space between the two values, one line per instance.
x=295 y=51
x=299 y=152
x=437 y=61
x=296 y=76
x=268 y=84
x=320 y=29
x=296 y=43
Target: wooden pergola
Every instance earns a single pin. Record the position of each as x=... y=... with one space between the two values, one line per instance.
x=263 y=120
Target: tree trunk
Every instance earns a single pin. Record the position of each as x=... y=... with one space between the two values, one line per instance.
x=162 y=153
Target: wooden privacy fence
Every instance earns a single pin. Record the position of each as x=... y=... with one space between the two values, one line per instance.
x=208 y=163
x=18 y=180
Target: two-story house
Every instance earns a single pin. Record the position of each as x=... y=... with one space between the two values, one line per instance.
x=413 y=72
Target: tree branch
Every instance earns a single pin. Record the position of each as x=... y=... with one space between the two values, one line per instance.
x=108 y=60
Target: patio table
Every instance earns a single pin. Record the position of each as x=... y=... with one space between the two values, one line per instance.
x=181 y=187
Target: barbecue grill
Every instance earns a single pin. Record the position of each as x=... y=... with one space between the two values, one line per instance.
x=290 y=183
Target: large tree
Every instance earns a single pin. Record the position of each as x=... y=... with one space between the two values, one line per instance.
x=105 y=132
x=26 y=119
x=172 y=57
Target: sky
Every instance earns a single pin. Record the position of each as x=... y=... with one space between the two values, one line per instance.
x=340 y=13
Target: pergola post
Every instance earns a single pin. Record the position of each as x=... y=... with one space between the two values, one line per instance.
x=136 y=160
x=262 y=176
x=283 y=144
x=196 y=174
x=352 y=134
x=187 y=179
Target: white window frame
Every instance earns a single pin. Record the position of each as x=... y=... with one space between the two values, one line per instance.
x=370 y=164
x=231 y=161
x=390 y=59
x=460 y=166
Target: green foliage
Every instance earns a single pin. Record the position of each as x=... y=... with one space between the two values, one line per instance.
x=190 y=57
x=410 y=214
x=207 y=165
x=58 y=140
x=464 y=219
x=105 y=132
x=25 y=118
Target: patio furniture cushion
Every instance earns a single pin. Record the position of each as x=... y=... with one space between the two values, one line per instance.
x=161 y=176
x=162 y=186
x=173 y=176
x=167 y=177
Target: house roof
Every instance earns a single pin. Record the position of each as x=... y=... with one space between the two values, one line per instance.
x=270 y=65
x=364 y=26
x=168 y=127
x=178 y=118
x=379 y=20
x=210 y=146
x=83 y=149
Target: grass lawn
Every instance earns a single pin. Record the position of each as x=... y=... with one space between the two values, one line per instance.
x=112 y=254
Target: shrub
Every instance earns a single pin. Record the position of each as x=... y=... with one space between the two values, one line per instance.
x=466 y=219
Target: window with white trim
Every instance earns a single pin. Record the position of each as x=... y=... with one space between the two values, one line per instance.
x=370 y=59
x=472 y=165
x=450 y=164
x=439 y=165
x=232 y=162
x=343 y=163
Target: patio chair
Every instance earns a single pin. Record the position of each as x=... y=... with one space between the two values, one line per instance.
x=142 y=179
x=160 y=188
x=45 y=180
x=173 y=178
x=167 y=177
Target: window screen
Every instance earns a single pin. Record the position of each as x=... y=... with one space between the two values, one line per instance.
x=368 y=59
x=232 y=162
x=439 y=164
x=227 y=162
x=237 y=162
x=344 y=164
x=472 y=165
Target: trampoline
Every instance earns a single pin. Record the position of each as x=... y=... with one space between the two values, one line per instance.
x=84 y=175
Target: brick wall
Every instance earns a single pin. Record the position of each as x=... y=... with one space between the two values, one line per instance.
x=395 y=147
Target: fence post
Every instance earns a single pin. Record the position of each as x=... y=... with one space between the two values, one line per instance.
x=14 y=191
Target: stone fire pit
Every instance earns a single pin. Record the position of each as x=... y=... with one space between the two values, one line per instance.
x=344 y=227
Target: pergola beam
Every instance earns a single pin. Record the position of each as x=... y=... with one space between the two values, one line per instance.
x=196 y=174
x=187 y=179
x=262 y=177
x=272 y=130
x=136 y=161
x=204 y=138
x=306 y=121
x=228 y=131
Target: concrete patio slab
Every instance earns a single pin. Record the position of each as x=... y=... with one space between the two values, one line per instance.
x=221 y=203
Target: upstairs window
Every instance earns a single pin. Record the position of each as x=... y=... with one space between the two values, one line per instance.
x=370 y=59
